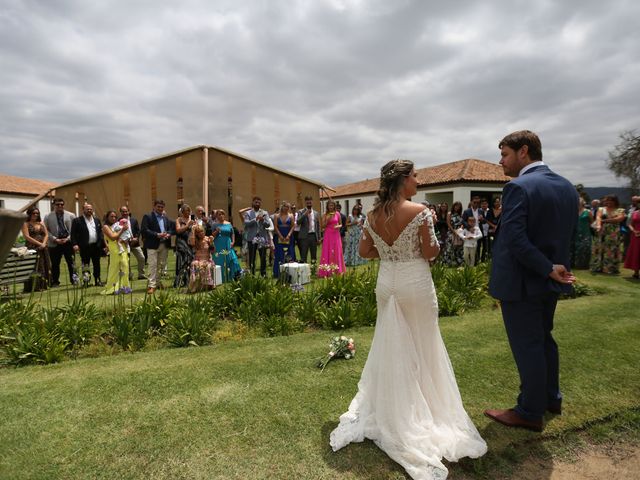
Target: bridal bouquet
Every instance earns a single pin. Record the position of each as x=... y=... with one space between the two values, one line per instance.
x=340 y=347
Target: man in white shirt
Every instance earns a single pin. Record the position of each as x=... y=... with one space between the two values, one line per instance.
x=88 y=240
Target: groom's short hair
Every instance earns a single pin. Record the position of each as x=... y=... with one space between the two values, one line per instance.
x=519 y=139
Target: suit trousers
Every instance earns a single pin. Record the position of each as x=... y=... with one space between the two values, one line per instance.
x=91 y=254
x=253 y=248
x=308 y=244
x=469 y=255
x=529 y=323
x=56 y=253
x=137 y=252
x=157 y=258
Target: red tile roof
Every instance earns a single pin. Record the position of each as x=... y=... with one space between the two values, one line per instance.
x=24 y=186
x=470 y=170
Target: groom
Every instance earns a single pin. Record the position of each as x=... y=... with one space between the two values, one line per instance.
x=529 y=270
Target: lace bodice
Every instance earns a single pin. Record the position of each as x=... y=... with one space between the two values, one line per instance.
x=407 y=245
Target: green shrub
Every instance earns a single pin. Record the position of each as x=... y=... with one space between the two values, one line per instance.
x=275 y=325
x=33 y=342
x=467 y=282
x=306 y=307
x=339 y=315
x=78 y=322
x=222 y=301
x=450 y=302
x=188 y=326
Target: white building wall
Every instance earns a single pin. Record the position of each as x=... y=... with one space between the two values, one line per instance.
x=17 y=202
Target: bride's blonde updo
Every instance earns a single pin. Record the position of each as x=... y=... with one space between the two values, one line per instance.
x=392 y=176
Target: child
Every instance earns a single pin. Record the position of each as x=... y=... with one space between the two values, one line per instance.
x=470 y=235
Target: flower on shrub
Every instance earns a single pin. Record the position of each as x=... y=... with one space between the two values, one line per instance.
x=328 y=268
x=297 y=288
x=339 y=347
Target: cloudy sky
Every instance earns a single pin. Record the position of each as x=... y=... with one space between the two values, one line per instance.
x=328 y=89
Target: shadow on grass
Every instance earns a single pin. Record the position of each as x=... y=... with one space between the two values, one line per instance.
x=361 y=460
x=531 y=459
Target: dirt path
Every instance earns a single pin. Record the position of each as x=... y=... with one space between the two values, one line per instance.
x=621 y=462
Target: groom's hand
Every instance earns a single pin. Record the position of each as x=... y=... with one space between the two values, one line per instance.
x=561 y=275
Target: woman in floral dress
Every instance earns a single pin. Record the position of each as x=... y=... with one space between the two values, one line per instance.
x=354 y=233
x=606 y=253
x=202 y=267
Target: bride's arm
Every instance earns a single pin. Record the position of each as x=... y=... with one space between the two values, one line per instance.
x=429 y=243
x=366 y=248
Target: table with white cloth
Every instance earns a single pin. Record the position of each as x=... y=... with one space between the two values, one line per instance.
x=296 y=273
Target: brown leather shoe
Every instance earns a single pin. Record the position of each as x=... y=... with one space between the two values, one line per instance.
x=511 y=419
x=150 y=290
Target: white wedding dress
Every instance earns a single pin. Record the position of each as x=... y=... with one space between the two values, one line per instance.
x=408 y=401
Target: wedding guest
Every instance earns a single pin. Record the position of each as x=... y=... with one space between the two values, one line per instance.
x=483 y=242
x=632 y=259
x=474 y=211
x=442 y=227
x=134 y=242
x=296 y=227
x=493 y=216
x=331 y=260
x=470 y=235
x=343 y=227
x=530 y=267
x=225 y=254
x=271 y=233
x=184 y=253
x=202 y=267
x=355 y=223
x=156 y=232
x=87 y=238
x=582 y=242
x=285 y=248
x=454 y=254
x=35 y=234
x=115 y=231
x=606 y=252
x=244 y=250
x=257 y=224
x=309 y=236
x=58 y=224
x=203 y=220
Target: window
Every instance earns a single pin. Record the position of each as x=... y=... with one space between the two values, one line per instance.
x=1 y=203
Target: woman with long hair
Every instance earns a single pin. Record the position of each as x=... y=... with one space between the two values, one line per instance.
x=454 y=253
x=35 y=234
x=203 y=275
x=355 y=222
x=284 y=246
x=223 y=240
x=606 y=252
x=408 y=401
x=582 y=242
x=332 y=258
x=184 y=253
x=118 y=273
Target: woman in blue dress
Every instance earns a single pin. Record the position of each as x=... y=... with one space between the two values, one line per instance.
x=283 y=239
x=355 y=223
x=225 y=255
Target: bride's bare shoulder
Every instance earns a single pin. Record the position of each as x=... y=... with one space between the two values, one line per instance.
x=413 y=208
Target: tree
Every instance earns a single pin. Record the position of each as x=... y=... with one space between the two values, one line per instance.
x=624 y=160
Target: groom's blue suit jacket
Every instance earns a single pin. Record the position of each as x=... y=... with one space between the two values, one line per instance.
x=539 y=214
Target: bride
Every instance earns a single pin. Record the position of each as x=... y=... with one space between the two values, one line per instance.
x=408 y=401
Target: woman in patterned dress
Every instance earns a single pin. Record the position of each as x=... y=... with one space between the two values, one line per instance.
x=354 y=233
x=606 y=252
x=453 y=255
x=35 y=235
x=582 y=242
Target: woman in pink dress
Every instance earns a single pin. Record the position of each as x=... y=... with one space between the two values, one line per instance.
x=632 y=261
x=331 y=260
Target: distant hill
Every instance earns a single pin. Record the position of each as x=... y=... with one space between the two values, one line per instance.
x=624 y=194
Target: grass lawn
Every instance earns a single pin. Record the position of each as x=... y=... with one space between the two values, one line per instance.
x=259 y=409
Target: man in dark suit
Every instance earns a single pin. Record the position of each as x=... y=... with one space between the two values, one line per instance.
x=529 y=269
x=58 y=225
x=156 y=231
x=88 y=239
x=309 y=235
x=343 y=227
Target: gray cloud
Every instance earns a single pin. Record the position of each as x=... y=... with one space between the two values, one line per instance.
x=328 y=89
